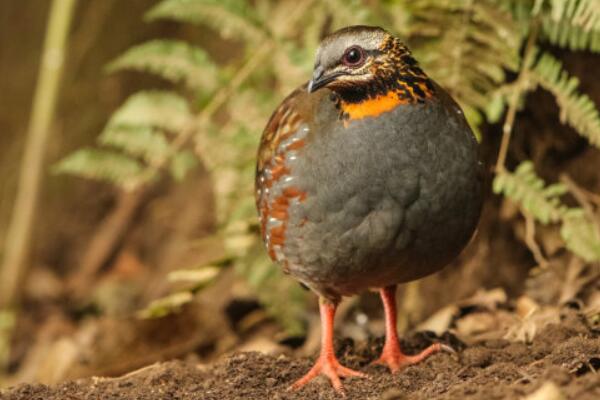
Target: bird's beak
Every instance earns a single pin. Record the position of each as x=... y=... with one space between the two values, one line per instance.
x=320 y=79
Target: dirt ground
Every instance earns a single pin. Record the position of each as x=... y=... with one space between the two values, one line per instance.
x=566 y=354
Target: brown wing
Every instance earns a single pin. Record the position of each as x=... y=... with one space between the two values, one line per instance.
x=281 y=139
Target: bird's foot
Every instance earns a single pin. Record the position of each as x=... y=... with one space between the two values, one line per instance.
x=393 y=357
x=329 y=366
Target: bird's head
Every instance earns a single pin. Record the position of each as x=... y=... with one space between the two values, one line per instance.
x=357 y=58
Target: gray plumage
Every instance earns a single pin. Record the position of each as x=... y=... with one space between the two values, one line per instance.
x=388 y=200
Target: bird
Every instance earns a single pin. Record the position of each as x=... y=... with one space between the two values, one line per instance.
x=367 y=176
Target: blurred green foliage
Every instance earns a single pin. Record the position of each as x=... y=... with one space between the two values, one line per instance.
x=468 y=46
x=579 y=233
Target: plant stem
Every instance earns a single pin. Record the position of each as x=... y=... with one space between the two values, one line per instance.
x=14 y=265
x=530 y=240
x=520 y=87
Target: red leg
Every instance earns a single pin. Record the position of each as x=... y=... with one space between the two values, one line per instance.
x=327 y=364
x=391 y=354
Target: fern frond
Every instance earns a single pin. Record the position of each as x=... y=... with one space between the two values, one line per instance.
x=580 y=235
x=574 y=24
x=465 y=45
x=102 y=165
x=161 y=109
x=564 y=34
x=583 y=13
x=524 y=187
x=138 y=141
x=173 y=60
x=528 y=190
x=231 y=18
x=576 y=109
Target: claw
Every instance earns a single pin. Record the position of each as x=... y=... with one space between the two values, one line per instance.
x=393 y=357
x=329 y=366
x=447 y=349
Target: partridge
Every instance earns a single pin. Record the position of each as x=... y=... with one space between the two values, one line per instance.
x=367 y=176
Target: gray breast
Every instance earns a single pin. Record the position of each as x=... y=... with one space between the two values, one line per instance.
x=389 y=199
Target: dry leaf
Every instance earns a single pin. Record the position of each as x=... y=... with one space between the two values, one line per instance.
x=548 y=391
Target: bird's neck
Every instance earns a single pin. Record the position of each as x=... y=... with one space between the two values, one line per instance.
x=376 y=98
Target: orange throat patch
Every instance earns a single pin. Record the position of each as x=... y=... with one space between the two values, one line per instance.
x=373 y=107
x=401 y=92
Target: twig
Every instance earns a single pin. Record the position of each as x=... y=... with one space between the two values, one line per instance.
x=521 y=85
x=105 y=240
x=573 y=281
x=582 y=197
x=14 y=265
x=530 y=240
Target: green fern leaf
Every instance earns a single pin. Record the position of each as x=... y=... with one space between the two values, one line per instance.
x=160 y=109
x=138 y=141
x=466 y=46
x=574 y=24
x=582 y=13
x=580 y=235
x=231 y=18
x=577 y=110
x=528 y=190
x=102 y=165
x=564 y=34
x=173 y=60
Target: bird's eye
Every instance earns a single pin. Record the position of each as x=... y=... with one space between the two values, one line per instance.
x=353 y=56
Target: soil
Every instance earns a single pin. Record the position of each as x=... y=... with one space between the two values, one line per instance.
x=566 y=354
